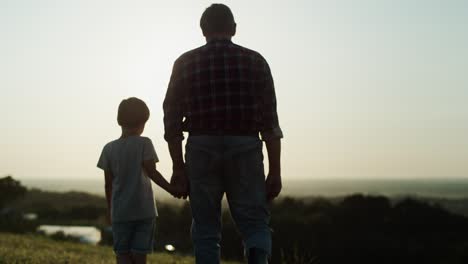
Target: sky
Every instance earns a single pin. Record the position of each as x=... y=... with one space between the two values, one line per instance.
x=365 y=89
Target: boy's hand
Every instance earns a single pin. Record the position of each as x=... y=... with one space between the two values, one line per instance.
x=180 y=183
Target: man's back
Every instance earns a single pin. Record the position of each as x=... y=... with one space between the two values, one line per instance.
x=221 y=86
x=223 y=95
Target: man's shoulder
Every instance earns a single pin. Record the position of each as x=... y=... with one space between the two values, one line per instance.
x=257 y=56
x=188 y=55
x=235 y=48
x=247 y=50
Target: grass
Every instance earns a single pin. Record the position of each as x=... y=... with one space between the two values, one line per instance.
x=34 y=249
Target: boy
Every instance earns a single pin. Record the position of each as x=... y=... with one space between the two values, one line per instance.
x=129 y=163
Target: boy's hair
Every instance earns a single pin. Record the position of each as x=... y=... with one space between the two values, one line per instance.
x=217 y=18
x=132 y=113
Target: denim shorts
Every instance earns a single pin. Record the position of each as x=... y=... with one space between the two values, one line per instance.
x=134 y=236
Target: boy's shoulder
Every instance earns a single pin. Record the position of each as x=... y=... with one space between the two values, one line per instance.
x=135 y=140
x=147 y=139
x=130 y=138
x=144 y=140
x=110 y=143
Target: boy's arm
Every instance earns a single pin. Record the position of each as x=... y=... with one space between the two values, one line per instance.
x=156 y=177
x=108 y=188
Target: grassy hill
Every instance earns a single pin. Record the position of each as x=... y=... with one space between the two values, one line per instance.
x=32 y=249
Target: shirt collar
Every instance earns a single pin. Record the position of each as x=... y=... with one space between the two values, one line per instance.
x=219 y=41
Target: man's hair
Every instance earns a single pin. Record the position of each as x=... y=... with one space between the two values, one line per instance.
x=217 y=18
x=132 y=113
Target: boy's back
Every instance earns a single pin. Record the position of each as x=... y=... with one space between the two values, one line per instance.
x=129 y=165
x=132 y=194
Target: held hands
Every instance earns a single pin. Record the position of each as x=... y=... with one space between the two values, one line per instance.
x=179 y=183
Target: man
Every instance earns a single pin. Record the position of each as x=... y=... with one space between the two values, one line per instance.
x=223 y=95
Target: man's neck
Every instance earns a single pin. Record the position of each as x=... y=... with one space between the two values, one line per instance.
x=218 y=37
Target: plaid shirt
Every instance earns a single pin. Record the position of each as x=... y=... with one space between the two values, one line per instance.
x=221 y=88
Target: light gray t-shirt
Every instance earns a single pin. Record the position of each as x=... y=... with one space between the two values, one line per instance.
x=132 y=194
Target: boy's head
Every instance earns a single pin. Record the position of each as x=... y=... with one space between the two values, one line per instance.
x=133 y=113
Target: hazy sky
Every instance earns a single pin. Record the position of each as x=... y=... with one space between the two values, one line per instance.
x=367 y=89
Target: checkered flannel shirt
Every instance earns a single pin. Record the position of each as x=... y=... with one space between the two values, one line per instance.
x=224 y=88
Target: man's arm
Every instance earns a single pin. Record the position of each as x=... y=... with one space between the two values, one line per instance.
x=179 y=176
x=273 y=181
x=173 y=116
x=271 y=129
x=175 y=150
x=271 y=134
x=108 y=189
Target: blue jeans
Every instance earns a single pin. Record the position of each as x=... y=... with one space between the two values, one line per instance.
x=231 y=165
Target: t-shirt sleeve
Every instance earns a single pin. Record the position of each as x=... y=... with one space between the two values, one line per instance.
x=103 y=162
x=149 y=153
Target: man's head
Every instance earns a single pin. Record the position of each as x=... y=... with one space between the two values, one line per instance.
x=133 y=114
x=217 y=22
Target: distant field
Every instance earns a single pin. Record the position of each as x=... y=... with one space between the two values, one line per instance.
x=441 y=188
x=31 y=249
x=451 y=194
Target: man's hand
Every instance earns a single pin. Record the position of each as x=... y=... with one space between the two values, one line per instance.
x=180 y=182
x=179 y=177
x=273 y=185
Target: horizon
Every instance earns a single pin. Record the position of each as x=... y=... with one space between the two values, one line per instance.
x=300 y=188
x=365 y=90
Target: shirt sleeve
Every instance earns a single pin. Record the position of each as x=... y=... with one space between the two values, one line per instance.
x=103 y=162
x=271 y=129
x=173 y=114
x=149 y=153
